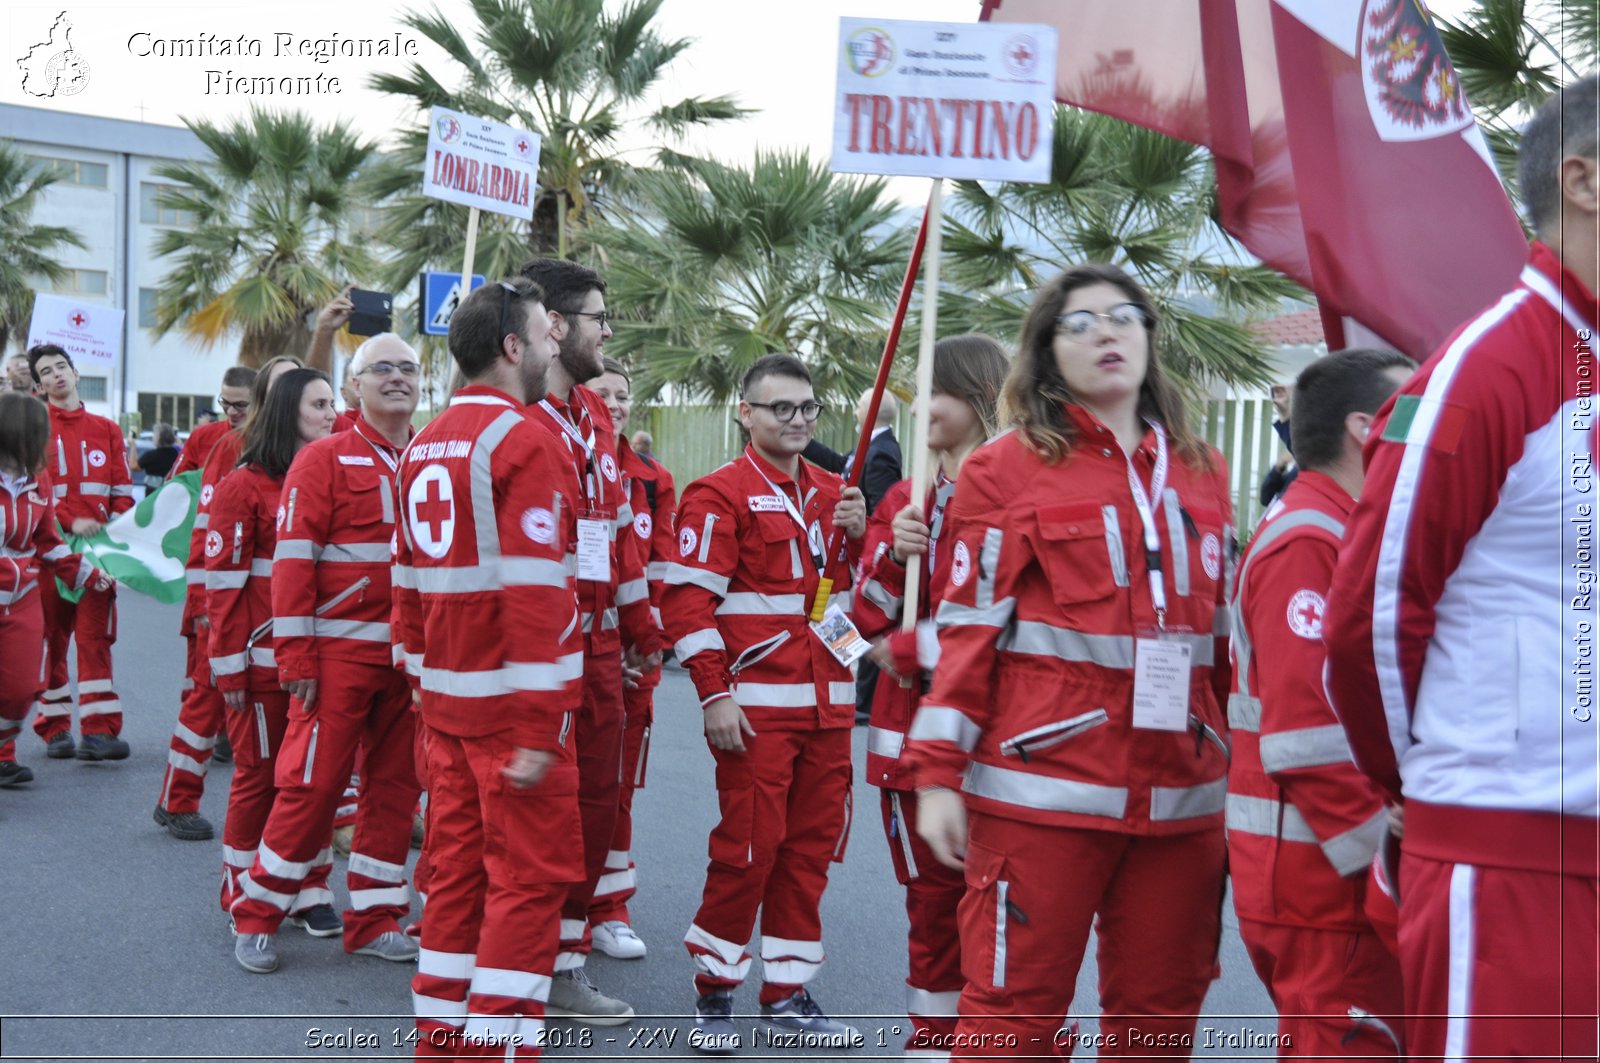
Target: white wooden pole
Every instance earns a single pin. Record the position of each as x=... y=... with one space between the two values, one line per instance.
x=919 y=434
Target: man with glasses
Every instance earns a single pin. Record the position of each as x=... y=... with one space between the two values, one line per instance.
x=331 y=605
x=615 y=604
x=233 y=399
x=754 y=602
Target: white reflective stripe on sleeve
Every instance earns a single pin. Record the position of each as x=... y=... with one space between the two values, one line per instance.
x=940 y=723
x=955 y=614
x=358 y=630
x=201 y=521
x=1187 y=802
x=698 y=642
x=883 y=742
x=59 y=490
x=927 y=645
x=292 y=627
x=543 y=676
x=1306 y=747
x=927 y=1002
x=232 y=664
x=356 y=553
x=263 y=657
x=194 y=577
x=634 y=590
x=121 y=490
x=1353 y=850
x=879 y=595
x=384 y=897
x=261 y=567
x=55 y=553
x=655 y=571
x=1261 y=816
x=682 y=575
x=751 y=603
x=790 y=695
x=296 y=550
x=97 y=490
x=226 y=581
x=1045 y=793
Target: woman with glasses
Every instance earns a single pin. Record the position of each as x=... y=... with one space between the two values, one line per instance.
x=968 y=372
x=1070 y=754
x=245 y=516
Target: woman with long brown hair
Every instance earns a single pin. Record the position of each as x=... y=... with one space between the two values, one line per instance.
x=1069 y=755
x=968 y=372
x=246 y=513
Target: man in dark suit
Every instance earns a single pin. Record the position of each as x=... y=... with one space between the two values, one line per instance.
x=881 y=473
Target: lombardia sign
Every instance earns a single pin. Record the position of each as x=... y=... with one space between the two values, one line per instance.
x=480 y=163
x=958 y=100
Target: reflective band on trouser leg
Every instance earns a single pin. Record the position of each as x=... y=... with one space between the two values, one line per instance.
x=21 y=663
x=379 y=897
x=194 y=736
x=619 y=881
x=933 y=899
x=95 y=630
x=251 y=794
x=54 y=715
x=597 y=733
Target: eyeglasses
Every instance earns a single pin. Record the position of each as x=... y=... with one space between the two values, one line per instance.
x=236 y=407
x=785 y=411
x=1123 y=317
x=601 y=316
x=405 y=369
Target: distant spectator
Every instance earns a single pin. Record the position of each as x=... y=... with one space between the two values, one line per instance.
x=17 y=377
x=1282 y=474
x=642 y=443
x=883 y=453
x=205 y=417
x=158 y=461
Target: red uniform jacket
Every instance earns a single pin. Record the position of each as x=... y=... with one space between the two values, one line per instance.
x=1303 y=822
x=1049 y=589
x=486 y=611
x=88 y=467
x=219 y=462
x=878 y=610
x=654 y=522
x=624 y=601
x=29 y=541
x=739 y=595
x=331 y=596
x=245 y=517
x=198 y=446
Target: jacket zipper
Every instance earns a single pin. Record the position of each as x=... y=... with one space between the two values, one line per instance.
x=1051 y=734
x=766 y=648
x=1360 y=1017
x=238 y=540
x=311 y=753
x=359 y=584
x=1203 y=733
x=288 y=524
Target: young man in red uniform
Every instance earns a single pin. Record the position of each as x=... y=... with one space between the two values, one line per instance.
x=88 y=465
x=649 y=488
x=331 y=608
x=1303 y=822
x=1460 y=638
x=764 y=545
x=486 y=617
x=615 y=598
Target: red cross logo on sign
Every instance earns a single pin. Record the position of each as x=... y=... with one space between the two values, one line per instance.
x=78 y=318
x=431 y=502
x=1305 y=614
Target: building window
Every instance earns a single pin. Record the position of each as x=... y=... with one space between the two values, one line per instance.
x=74 y=171
x=152 y=213
x=76 y=282
x=176 y=410
x=92 y=388
x=147 y=308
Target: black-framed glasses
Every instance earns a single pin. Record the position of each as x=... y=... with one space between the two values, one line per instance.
x=1123 y=317
x=602 y=317
x=405 y=369
x=785 y=411
x=235 y=407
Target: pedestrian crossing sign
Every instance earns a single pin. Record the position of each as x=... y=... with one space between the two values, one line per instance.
x=441 y=294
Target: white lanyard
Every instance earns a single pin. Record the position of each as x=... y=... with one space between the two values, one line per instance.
x=941 y=498
x=394 y=466
x=591 y=491
x=1147 y=517
x=813 y=539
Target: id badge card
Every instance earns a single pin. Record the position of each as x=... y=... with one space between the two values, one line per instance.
x=594 y=549
x=839 y=634
x=1161 y=682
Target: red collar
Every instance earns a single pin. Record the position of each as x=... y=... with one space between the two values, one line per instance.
x=1090 y=429
x=1543 y=259
x=1310 y=481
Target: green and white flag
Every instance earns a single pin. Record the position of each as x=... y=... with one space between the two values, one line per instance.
x=146 y=548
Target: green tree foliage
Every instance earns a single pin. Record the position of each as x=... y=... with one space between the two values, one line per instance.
x=28 y=252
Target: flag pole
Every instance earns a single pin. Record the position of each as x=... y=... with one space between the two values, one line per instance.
x=472 y=252
x=906 y=287
x=933 y=222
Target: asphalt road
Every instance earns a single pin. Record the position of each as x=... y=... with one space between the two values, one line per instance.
x=112 y=946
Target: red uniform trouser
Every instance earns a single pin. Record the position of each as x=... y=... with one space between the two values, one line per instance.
x=502 y=859
x=598 y=730
x=933 y=894
x=421 y=873
x=1498 y=962
x=617 y=883
x=22 y=657
x=256 y=732
x=785 y=805
x=92 y=620
x=363 y=704
x=1032 y=892
x=1316 y=977
x=200 y=719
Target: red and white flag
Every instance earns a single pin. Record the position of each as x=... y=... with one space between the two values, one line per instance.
x=1346 y=154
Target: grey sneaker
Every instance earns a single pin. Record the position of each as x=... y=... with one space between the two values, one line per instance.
x=390 y=945
x=573 y=996
x=800 y=1014
x=256 y=953
x=713 y=1031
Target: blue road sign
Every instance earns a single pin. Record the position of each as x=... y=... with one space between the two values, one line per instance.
x=441 y=294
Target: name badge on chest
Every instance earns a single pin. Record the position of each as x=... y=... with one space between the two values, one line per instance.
x=594 y=549
x=1161 y=683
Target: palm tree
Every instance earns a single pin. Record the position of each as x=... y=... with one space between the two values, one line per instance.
x=569 y=70
x=27 y=251
x=270 y=240
x=1129 y=196
x=720 y=265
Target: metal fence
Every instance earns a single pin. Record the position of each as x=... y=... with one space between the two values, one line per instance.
x=693 y=440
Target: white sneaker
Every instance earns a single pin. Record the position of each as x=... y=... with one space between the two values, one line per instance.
x=617 y=940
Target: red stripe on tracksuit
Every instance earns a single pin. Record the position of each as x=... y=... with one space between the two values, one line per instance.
x=1460 y=636
x=657 y=542
x=331 y=606
x=486 y=522
x=88 y=464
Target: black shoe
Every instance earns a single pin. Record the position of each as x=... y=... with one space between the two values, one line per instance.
x=102 y=747
x=319 y=920
x=14 y=774
x=61 y=747
x=185 y=826
x=714 y=1032
x=222 y=752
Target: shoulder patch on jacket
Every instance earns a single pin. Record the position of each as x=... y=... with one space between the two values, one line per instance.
x=1416 y=420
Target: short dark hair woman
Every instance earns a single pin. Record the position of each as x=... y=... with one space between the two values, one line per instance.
x=1076 y=712
x=246 y=513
